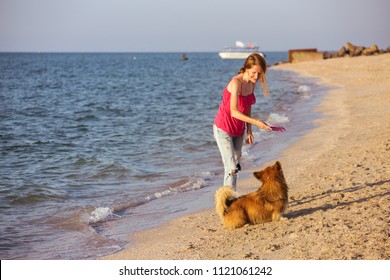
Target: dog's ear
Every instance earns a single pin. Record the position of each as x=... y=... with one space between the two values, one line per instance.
x=278 y=165
x=258 y=175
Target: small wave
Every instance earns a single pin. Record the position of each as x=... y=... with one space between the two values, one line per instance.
x=112 y=170
x=35 y=194
x=303 y=89
x=34 y=199
x=101 y=214
x=193 y=183
x=86 y=118
x=276 y=118
x=81 y=161
x=196 y=183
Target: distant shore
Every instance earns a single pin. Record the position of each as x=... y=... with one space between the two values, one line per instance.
x=338 y=175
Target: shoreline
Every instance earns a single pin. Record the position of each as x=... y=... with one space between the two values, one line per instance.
x=337 y=174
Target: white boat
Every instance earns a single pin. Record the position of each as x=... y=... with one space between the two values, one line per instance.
x=240 y=51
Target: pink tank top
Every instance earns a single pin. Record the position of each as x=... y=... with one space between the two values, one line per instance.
x=225 y=121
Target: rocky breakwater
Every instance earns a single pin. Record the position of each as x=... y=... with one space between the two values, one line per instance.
x=352 y=50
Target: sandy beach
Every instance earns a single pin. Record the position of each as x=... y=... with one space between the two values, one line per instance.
x=338 y=176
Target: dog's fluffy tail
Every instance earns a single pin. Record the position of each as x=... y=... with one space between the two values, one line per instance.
x=222 y=196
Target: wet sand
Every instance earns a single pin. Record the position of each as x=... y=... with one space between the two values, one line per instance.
x=338 y=175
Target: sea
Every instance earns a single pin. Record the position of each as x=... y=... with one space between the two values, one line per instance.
x=98 y=146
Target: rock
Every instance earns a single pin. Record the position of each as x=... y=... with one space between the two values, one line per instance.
x=327 y=55
x=353 y=50
x=370 y=51
x=350 y=48
x=358 y=51
x=340 y=53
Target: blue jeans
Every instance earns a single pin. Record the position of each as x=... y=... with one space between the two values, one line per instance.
x=230 y=149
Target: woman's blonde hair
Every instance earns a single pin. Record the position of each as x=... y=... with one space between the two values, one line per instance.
x=257 y=59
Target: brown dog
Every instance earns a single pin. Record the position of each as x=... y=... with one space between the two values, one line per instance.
x=264 y=205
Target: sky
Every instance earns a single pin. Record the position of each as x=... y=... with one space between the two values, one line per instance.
x=190 y=25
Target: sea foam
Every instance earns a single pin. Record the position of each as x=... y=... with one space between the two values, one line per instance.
x=276 y=118
x=303 y=89
x=100 y=214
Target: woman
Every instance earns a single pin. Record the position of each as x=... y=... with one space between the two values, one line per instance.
x=235 y=113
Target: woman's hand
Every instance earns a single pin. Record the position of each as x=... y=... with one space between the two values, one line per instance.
x=250 y=138
x=262 y=125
